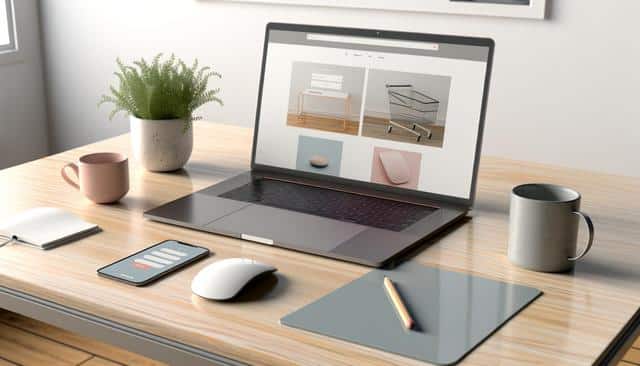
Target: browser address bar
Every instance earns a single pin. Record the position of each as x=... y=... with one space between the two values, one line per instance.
x=372 y=41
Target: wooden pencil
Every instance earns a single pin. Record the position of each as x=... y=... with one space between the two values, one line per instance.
x=398 y=304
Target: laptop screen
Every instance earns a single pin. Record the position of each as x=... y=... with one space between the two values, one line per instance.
x=390 y=111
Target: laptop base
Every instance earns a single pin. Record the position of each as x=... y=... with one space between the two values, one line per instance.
x=213 y=210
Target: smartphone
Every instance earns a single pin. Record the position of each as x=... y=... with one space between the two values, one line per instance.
x=150 y=264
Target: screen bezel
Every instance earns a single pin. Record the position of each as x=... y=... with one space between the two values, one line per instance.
x=372 y=33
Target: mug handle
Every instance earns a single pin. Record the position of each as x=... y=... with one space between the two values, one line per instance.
x=587 y=219
x=66 y=178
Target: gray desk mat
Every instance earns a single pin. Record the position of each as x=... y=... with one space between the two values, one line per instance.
x=453 y=312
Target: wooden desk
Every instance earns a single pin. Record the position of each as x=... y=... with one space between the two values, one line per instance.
x=574 y=322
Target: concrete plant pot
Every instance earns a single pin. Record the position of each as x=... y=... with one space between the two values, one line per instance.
x=161 y=145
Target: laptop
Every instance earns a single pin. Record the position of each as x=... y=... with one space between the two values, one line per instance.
x=366 y=144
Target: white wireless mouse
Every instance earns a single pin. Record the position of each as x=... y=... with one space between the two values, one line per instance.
x=224 y=279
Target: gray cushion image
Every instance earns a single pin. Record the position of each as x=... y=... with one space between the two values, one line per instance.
x=312 y=148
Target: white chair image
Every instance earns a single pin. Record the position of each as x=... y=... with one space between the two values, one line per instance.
x=326 y=86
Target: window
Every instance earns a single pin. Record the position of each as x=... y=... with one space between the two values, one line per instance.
x=7 y=35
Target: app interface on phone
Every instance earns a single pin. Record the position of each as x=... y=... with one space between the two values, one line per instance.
x=152 y=261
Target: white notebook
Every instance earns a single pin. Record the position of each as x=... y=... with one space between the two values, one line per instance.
x=46 y=227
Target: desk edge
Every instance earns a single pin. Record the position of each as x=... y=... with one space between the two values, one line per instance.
x=144 y=343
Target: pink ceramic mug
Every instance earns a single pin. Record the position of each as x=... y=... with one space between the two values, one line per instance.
x=102 y=177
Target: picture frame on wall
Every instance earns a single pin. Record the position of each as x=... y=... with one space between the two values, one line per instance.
x=532 y=9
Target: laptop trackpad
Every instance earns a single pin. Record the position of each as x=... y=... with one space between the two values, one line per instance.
x=195 y=209
x=291 y=229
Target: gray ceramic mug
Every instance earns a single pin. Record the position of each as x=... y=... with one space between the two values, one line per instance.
x=543 y=227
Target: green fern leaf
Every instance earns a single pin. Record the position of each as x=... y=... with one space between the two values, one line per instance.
x=161 y=89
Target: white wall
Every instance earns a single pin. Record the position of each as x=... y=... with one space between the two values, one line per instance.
x=564 y=91
x=23 y=124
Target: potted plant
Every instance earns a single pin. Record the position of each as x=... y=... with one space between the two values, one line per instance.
x=160 y=98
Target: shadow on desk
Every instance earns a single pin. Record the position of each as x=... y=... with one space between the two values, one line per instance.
x=492 y=206
x=143 y=194
x=197 y=169
x=432 y=240
x=592 y=266
x=271 y=287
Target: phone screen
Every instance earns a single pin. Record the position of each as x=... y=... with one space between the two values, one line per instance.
x=154 y=262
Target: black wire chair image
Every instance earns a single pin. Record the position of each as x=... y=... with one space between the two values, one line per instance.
x=411 y=110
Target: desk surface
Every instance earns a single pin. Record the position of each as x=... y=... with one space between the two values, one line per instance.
x=573 y=322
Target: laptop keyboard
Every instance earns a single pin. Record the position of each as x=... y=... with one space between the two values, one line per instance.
x=343 y=206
